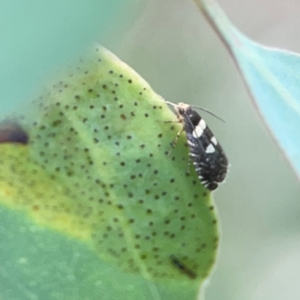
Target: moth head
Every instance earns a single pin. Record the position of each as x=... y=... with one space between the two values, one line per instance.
x=182 y=108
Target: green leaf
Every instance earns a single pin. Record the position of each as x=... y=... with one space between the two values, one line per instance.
x=92 y=207
x=272 y=77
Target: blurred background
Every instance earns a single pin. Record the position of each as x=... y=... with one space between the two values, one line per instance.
x=170 y=44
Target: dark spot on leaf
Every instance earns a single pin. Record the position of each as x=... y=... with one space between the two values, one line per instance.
x=35 y=207
x=56 y=123
x=182 y=267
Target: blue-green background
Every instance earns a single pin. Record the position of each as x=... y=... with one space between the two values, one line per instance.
x=40 y=37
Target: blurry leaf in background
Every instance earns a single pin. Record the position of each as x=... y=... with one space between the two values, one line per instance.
x=93 y=186
x=272 y=77
x=39 y=36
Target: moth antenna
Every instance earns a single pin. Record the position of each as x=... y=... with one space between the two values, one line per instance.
x=198 y=107
x=168 y=102
x=209 y=112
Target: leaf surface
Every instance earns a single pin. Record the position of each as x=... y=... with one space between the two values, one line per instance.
x=92 y=206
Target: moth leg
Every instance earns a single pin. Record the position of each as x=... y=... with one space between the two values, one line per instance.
x=189 y=163
x=175 y=141
x=177 y=121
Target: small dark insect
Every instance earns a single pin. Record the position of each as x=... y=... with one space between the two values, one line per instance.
x=182 y=268
x=206 y=153
x=11 y=132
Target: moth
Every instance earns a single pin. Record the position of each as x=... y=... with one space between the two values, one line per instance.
x=206 y=153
